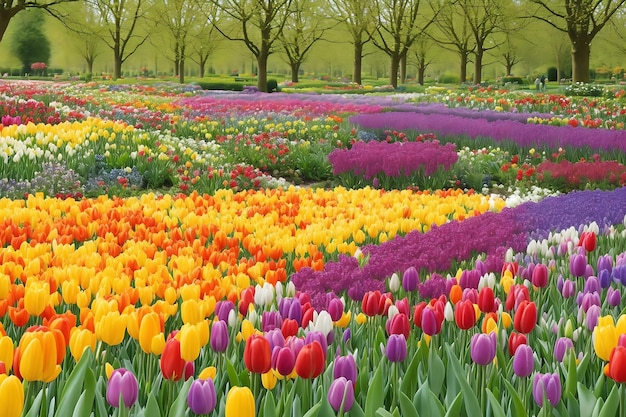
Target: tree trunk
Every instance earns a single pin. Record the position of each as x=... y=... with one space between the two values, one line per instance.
x=5 y=18
x=295 y=68
x=509 y=69
x=403 y=68
x=393 y=75
x=421 y=69
x=478 y=66
x=117 y=65
x=358 y=63
x=261 y=60
x=181 y=71
x=201 y=68
x=90 y=65
x=580 y=60
x=463 y=72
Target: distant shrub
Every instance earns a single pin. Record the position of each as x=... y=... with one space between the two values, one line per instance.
x=224 y=85
x=553 y=74
x=512 y=80
x=449 y=79
x=272 y=85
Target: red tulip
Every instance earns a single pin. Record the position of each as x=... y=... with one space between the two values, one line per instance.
x=616 y=368
x=486 y=300
x=417 y=314
x=525 y=317
x=370 y=302
x=172 y=364
x=398 y=324
x=588 y=241
x=511 y=267
x=432 y=319
x=246 y=298
x=465 y=315
x=257 y=354
x=540 y=276
x=289 y=328
x=517 y=294
x=515 y=340
x=310 y=361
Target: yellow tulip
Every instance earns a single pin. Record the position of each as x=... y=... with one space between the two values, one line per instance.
x=208 y=373
x=108 y=370
x=189 y=337
x=149 y=328
x=269 y=379
x=604 y=340
x=344 y=320
x=36 y=297
x=240 y=403
x=505 y=319
x=111 y=328
x=81 y=339
x=361 y=318
x=38 y=359
x=11 y=396
x=191 y=311
x=6 y=352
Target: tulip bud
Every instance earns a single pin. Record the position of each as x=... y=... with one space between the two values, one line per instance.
x=202 y=397
x=122 y=388
x=341 y=393
x=394 y=283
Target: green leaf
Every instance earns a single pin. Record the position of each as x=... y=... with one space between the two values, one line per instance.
x=33 y=411
x=73 y=386
x=374 y=398
x=407 y=407
x=356 y=411
x=438 y=409
x=436 y=373
x=85 y=402
x=609 y=409
x=599 y=387
x=269 y=405
x=573 y=406
x=571 y=380
x=586 y=400
x=313 y=411
x=180 y=404
x=408 y=384
x=518 y=405
x=152 y=407
x=296 y=408
x=101 y=408
x=496 y=407
x=582 y=367
x=454 y=409
x=381 y=412
x=233 y=378
x=471 y=402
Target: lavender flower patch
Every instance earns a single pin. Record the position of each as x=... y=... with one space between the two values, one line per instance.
x=470 y=113
x=369 y=159
x=525 y=135
x=54 y=180
x=490 y=233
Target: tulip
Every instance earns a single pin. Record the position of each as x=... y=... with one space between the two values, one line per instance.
x=605 y=262
x=432 y=320
x=394 y=283
x=540 y=276
x=613 y=297
x=202 y=397
x=38 y=356
x=172 y=364
x=6 y=353
x=588 y=241
x=208 y=372
x=616 y=368
x=561 y=346
x=398 y=324
x=310 y=360
x=240 y=403
x=604 y=276
x=592 y=316
x=189 y=337
x=271 y=320
x=335 y=309
x=151 y=337
x=290 y=327
x=319 y=337
x=410 y=279
x=465 y=315
x=283 y=360
x=525 y=317
x=323 y=323
x=483 y=348
x=515 y=340
x=11 y=396
x=223 y=309
x=523 y=361
x=396 y=349
x=345 y=366
x=257 y=354
x=276 y=339
x=191 y=311
x=548 y=385
x=370 y=303
x=219 y=336
x=269 y=380
x=36 y=297
x=111 y=327
x=80 y=340
x=341 y=393
x=122 y=388
x=569 y=288
x=486 y=300
x=578 y=265
x=290 y=308
x=515 y=297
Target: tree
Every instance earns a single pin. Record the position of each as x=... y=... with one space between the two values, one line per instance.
x=396 y=31
x=30 y=44
x=260 y=24
x=582 y=20
x=9 y=9
x=421 y=55
x=305 y=26
x=118 y=24
x=203 y=42
x=455 y=35
x=357 y=16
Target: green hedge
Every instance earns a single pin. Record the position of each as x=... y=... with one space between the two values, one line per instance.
x=224 y=85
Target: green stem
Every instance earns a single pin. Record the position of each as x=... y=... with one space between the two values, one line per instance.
x=622 y=401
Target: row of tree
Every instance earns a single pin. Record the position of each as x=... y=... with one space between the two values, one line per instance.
x=470 y=28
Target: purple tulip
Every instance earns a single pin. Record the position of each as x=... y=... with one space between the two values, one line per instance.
x=335 y=309
x=223 y=308
x=276 y=338
x=559 y=283
x=548 y=385
x=295 y=344
x=483 y=348
x=202 y=397
x=591 y=316
x=619 y=274
x=578 y=264
x=219 y=339
x=283 y=360
x=469 y=279
x=561 y=346
x=345 y=366
x=410 y=279
x=291 y=308
x=430 y=325
x=341 y=391
x=271 y=320
x=569 y=288
x=589 y=271
x=396 y=348
x=604 y=276
x=122 y=383
x=470 y=294
x=605 y=262
x=347 y=334
x=589 y=299
x=320 y=337
x=592 y=284
x=523 y=361
x=540 y=276
x=613 y=297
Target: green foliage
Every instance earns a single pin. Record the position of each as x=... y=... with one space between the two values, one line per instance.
x=272 y=85
x=223 y=85
x=553 y=74
x=29 y=42
x=512 y=80
x=448 y=79
x=583 y=89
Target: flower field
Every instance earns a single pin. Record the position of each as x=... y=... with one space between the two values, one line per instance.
x=168 y=251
